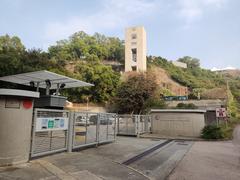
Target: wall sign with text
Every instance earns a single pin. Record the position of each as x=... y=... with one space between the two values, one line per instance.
x=51 y=124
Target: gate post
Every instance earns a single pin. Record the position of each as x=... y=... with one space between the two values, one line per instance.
x=137 y=121
x=146 y=119
x=116 y=125
x=98 y=129
x=70 y=131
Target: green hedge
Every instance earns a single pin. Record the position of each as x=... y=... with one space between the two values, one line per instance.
x=186 y=106
x=212 y=132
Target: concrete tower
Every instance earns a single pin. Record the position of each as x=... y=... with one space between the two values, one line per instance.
x=135 y=49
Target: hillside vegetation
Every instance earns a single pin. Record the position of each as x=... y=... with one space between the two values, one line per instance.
x=192 y=77
x=197 y=79
x=87 y=51
x=83 y=55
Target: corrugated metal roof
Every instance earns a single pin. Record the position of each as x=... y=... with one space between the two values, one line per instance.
x=41 y=76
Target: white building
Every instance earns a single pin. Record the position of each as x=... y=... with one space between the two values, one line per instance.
x=135 y=49
x=179 y=64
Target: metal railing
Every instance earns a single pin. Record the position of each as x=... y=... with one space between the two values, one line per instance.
x=133 y=124
x=58 y=130
x=48 y=135
x=93 y=128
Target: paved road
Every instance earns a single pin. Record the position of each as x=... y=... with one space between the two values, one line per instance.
x=205 y=160
x=236 y=139
x=123 y=149
x=156 y=165
x=161 y=162
x=103 y=162
x=208 y=161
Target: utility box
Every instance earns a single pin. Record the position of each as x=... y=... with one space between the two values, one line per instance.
x=16 y=112
x=50 y=101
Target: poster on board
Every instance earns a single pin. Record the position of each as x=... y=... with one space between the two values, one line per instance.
x=51 y=124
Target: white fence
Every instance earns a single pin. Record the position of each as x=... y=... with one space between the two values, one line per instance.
x=59 y=130
x=49 y=131
x=93 y=128
x=133 y=124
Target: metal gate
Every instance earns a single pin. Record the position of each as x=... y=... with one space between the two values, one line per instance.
x=107 y=127
x=92 y=128
x=49 y=131
x=144 y=124
x=133 y=124
x=59 y=130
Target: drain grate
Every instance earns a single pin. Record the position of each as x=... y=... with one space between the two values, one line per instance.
x=184 y=144
x=145 y=153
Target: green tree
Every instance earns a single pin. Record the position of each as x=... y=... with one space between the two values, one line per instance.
x=133 y=94
x=105 y=82
x=81 y=46
x=11 y=51
x=191 y=62
x=36 y=59
x=8 y=43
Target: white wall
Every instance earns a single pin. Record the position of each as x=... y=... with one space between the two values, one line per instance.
x=177 y=124
x=15 y=133
x=180 y=64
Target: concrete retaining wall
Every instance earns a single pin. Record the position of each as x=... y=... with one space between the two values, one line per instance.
x=187 y=123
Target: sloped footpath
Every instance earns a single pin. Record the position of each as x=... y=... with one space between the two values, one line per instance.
x=209 y=160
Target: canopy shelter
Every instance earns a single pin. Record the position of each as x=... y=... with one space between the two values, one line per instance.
x=45 y=79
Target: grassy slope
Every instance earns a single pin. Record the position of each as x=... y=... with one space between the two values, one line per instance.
x=191 y=77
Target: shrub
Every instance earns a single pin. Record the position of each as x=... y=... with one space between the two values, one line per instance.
x=186 y=106
x=154 y=103
x=191 y=106
x=212 y=132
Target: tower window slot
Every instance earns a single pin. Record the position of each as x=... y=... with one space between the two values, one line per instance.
x=134 y=54
x=134 y=36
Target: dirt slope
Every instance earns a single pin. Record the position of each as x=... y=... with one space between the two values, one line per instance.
x=165 y=81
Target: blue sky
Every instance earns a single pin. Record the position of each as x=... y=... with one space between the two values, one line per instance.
x=205 y=29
